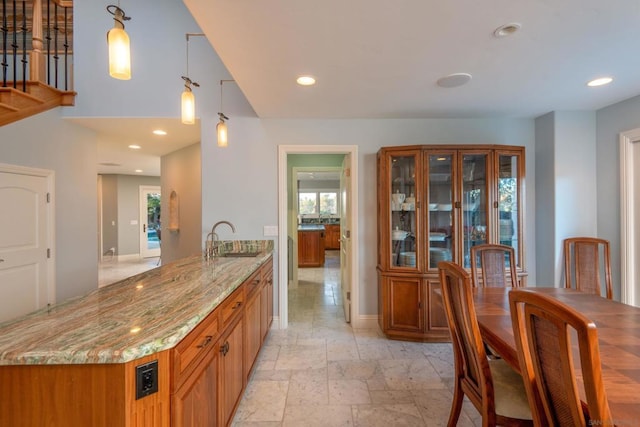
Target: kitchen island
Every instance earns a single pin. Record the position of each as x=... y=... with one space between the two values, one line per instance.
x=171 y=346
x=311 y=245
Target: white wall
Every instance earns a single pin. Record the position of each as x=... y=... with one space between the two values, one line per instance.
x=566 y=190
x=248 y=168
x=128 y=222
x=545 y=198
x=180 y=172
x=610 y=122
x=47 y=142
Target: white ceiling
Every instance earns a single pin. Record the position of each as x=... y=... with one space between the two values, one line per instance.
x=116 y=134
x=381 y=59
x=375 y=59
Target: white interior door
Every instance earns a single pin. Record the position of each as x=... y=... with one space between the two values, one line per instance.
x=150 y=232
x=345 y=235
x=24 y=273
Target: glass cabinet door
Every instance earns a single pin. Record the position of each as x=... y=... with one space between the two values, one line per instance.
x=440 y=205
x=509 y=201
x=404 y=223
x=474 y=201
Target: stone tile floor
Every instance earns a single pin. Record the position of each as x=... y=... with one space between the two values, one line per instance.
x=321 y=372
x=111 y=270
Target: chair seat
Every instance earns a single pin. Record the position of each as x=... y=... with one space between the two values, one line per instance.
x=509 y=392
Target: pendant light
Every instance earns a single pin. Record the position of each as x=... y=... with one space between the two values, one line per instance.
x=221 y=127
x=118 y=41
x=188 y=99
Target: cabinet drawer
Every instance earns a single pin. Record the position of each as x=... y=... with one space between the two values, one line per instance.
x=194 y=346
x=232 y=305
x=252 y=284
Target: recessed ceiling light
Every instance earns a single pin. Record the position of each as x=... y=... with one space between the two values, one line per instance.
x=135 y=147
x=138 y=170
x=600 y=81
x=506 y=29
x=159 y=132
x=306 y=81
x=454 y=80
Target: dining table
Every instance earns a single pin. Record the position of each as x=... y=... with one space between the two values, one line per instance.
x=618 y=327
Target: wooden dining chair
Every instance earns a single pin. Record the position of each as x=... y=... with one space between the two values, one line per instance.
x=542 y=327
x=494 y=388
x=496 y=265
x=585 y=260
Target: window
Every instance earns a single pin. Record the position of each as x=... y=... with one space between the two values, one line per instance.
x=329 y=203
x=307 y=203
x=318 y=202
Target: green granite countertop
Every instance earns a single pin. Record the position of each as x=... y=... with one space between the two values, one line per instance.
x=135 y=317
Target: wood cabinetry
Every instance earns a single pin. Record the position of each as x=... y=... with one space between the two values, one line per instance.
x=195 y=402
x=199 y=381
x=232 y=377
x=253 y=321
x=332 y=236
x=311 y=247
x=434 y=203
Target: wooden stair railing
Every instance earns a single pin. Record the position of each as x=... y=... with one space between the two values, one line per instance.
x=32 y=81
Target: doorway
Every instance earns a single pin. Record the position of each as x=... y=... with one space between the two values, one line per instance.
x=288 y=222
x=630 y=216
x=150 y=219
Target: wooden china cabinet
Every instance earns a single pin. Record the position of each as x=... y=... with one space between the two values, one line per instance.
x=434 y=203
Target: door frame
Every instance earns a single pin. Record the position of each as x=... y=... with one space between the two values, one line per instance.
x=49 y=175
x=283 y=224
x=628 y=247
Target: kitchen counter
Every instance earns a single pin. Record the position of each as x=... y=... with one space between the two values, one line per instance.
x=135 y=317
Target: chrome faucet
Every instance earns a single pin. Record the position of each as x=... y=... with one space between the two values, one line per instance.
x=211 y=248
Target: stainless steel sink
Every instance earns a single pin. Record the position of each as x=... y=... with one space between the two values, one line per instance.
x=240 y=254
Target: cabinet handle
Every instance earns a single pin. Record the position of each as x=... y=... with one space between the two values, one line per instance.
x=206 y=341
x=238 y=304
x=224 y=349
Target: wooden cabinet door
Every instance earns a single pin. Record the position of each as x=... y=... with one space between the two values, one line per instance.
x=269 y=287
x=195 y=402
x=231 y=371
x=332 y=237
x=405 y=304
x=436 y=316
x=264 y=311
x=310 y=248
x=253 y=330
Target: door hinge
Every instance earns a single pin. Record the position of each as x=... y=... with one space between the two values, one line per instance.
x=48 y=197
x=48 y=253
x=347 y=234
x=419 y=304
x=348 y=296
x=347 y=172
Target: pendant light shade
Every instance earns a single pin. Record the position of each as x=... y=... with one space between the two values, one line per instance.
x=221 y=129
x=188 y=102
x=188 y=107
x=119 y=45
